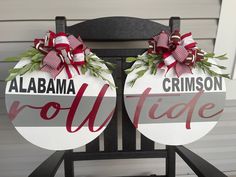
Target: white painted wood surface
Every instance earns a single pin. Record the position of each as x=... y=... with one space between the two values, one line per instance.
x=226 y=42
x=22 y=21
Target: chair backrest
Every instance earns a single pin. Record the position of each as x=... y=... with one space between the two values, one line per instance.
x=118 y=29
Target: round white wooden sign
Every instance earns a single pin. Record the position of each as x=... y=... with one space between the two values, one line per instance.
x=171 y=110
x=60 y=113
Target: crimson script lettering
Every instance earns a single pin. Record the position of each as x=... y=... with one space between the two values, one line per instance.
x=16 y=108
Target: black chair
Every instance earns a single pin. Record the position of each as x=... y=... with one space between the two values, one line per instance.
x=121 y=29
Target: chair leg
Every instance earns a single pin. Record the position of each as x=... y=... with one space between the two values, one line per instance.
x=69 y=164
x=170 y=161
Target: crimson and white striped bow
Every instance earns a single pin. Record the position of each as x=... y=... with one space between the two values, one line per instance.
x=61 y=51
x=179 y=52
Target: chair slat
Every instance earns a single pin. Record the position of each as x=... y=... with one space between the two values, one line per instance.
x=93 y=146
x=110 y=133
x=146 y=144
x=128 y=130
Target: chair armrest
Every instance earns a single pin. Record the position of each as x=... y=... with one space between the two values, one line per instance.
x=50 y=166
x=200 y=166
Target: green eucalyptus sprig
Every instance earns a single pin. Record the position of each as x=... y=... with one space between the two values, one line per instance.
x=205 y=65
x=148 y=62
x=28 y=54
x=212 y=55
x=34 y=64
x=93 y=65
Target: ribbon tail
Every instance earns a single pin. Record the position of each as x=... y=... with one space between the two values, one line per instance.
x=160 y=65
x=163 y=67
x=68 y=71
x=76 y=68
x=170 y=66
x=76 y=43
x=182 y=69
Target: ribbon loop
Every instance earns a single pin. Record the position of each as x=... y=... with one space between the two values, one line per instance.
x=199 y=55
x=187 y=41
x=52 y=60
x=49 y=39
x=60 y=52
x=76 y=43
x=61 y=42
x=162 y=42
x=152 y=46
x=175 y=38
x=78 y=55
x=52 y=64
x=177 y=51
x=168 y=59
x=190 y=60
x=39 y=45
x=180 y=53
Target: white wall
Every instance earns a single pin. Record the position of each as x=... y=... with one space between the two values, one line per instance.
x=22 y=21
